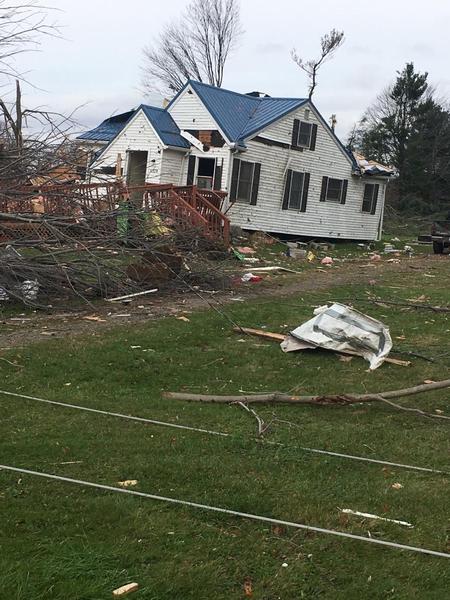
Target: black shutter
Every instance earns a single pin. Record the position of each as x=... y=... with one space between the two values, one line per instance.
x=191 y=170
x=287 y=190
x=323 y=192
x=234 y=179
x=218 y=176
x=312 y=145
x=344 y=191
x=255 y=186
x=305 y=192
x=374 y=199
x=295 y=130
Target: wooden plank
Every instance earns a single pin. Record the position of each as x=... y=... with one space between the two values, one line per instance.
x=279 y=337
x=125 y=589
x=267 y=335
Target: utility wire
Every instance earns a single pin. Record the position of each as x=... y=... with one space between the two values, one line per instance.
x=227 y=511
x=220 y=433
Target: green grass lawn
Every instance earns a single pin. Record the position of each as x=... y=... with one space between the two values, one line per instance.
x=60 y=541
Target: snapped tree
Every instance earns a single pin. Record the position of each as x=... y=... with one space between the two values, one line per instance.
x=34 y=141
x=407 y=127
x=196 y=46
x=329 y=43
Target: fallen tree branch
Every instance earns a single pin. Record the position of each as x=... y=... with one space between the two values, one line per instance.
x=380 y=301
x=414 y=410
x=262 y=426
x=279 y=397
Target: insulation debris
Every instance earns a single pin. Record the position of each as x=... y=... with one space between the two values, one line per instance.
x=356 y=513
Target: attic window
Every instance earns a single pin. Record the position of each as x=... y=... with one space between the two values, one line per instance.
x=307 y=113
x=304 y=135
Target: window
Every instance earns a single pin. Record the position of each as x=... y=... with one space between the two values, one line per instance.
x=307 y=113
x=245 y=180
x=295 y=190
x=334 y=190
x=304 y=135
x=370 y=198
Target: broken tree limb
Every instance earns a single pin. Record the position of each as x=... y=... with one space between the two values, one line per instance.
x=280 y=337
x=380 y=301
x=280 y=398
x=262 y=427
x=414 y=410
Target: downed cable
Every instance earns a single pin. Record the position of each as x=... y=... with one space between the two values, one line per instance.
x=227 y=511
x=219 y=433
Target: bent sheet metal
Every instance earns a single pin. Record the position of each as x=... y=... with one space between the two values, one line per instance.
x=342 y=329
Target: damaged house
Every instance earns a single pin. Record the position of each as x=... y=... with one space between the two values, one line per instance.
x=283 y=169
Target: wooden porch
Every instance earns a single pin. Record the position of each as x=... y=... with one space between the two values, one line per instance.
x=186 y=206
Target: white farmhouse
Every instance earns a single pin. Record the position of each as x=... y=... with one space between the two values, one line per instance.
x=283 y=168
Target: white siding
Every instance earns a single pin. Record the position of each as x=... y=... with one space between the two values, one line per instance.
x=321 y=219
x=189 y=112
x=172 y=167
x=137 y=135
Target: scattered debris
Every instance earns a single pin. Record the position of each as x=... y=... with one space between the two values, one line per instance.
x=310 y=257
x=183 y=318
x=250 y=277
x=125 y=589
x=327 y=261
x=297 y=253
x=356 y=513
x=275 y=268
x=129 y=296
x=128 y=483
x=246 y=250
x=396 y=486
x=94 y=318
x=343 y=329
x=286 y=339
x=322 y=246
x=248 y=587
x=29 y=290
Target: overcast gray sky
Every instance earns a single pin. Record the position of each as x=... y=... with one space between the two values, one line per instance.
x=97 y=64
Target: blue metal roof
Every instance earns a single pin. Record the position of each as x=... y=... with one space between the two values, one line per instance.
x=165 y=126
x=108 y=129
x=239 y=115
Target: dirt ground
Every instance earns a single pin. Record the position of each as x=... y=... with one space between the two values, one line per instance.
x=34 y=326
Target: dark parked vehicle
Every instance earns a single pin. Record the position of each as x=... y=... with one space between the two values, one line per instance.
x=440 y=236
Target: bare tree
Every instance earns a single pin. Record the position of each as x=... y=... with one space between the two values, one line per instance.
x=329 y=43
x=197 y=46
x=22 y=24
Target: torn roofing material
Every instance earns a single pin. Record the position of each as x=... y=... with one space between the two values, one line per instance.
x=108 y=129
x=372 y=167
x=240 y=115
x=342 y=329
x=161 y=120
